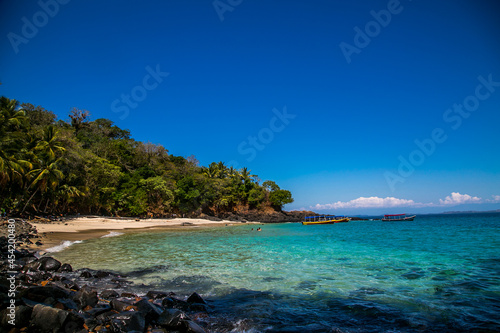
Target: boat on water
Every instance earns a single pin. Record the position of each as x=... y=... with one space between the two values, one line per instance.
x=324 y=219
x=398 y=217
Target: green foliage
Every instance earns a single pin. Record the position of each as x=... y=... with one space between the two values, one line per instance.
x=280 y=198
x=52 y=166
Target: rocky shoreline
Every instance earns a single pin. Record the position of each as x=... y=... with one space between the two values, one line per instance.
x=41 y=294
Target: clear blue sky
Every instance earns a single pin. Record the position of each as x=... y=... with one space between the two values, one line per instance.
x=352 y=84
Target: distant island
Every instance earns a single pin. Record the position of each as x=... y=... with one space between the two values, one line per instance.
x=472 y=212
x=54 y=167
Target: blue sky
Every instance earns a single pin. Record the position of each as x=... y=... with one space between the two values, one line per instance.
x=327 y=98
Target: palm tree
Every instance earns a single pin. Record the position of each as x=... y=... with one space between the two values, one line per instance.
x=222 y=169
x=11 y=120
x=50 y=144
x=45 y=177
x=246 y=175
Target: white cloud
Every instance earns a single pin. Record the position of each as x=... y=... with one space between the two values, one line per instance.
x=453 y=199
x=371 y=202
x=458 y=199
x=496 y=198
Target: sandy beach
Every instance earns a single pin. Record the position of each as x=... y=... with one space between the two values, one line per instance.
x=82 y=228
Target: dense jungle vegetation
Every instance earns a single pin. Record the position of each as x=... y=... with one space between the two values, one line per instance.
x=50 y=166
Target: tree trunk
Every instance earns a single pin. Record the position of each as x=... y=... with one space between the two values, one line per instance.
x=27 y=202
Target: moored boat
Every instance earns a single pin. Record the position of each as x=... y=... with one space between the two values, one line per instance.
x=398 y=217
x=324 y=219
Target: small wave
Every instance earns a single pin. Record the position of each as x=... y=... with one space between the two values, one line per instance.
x=62 y=246
x=113 y=234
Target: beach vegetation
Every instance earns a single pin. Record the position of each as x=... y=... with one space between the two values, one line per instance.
x=80 y=165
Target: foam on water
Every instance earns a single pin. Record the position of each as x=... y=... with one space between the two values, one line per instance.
x=113 y=234
x=62 y=246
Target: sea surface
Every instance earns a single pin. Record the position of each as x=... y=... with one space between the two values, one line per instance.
x=439 y=273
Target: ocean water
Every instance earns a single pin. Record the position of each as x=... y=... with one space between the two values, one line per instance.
x=439 y=273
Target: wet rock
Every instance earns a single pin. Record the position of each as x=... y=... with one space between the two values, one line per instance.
x=32 y=266
x=101 y=274
x=100 y=309
x=34 y=277
x=129 y=322
x=65 y=268
x=171 y=319
x=128 y=295
x=198 y=307
x=174 y=303
x=86 y=296
x=195 y=298
x=39 y=243
x=49 y=264
x=86 y=274
x=157 y=294
x=47 y=319
x=67 y=303
x=121 y=306
x=151 y=311
x=20 y=314
x=109 y=293
x=40 y=294
x=192 y=327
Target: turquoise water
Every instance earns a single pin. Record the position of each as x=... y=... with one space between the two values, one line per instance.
x=437 y=273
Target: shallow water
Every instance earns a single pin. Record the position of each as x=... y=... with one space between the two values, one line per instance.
x=437 y=273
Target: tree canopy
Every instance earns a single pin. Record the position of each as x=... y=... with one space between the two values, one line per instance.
x=50 y=166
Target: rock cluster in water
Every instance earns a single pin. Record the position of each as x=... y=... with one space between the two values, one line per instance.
x=51 y=297
x=261 y=216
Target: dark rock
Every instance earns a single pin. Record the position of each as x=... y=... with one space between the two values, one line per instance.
x=120 y=306
x=32 y=266
x=150 y=310
x=101 y=274
x=65 y=268
x=20 y=314
x=94 y=312
x=129 y=322
x=109 y=293
x=35 y=277
x=40 y=294
x=128 y=295
x=86 y=275
x=49 y=264
x=171 y=319
x=192 y=327
x=198 y=307
x=67 y=303
x=47 y=319
x=157 y=294
x=39 y=243
x=86 y=296
x=174 y=303
x=105 y=317
x=195 y=298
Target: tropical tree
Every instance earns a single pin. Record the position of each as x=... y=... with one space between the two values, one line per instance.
x=50 y=144
x=46 y=176
x=12 y=121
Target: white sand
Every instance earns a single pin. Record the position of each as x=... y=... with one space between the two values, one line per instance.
x=75 y=230
x=87 y=223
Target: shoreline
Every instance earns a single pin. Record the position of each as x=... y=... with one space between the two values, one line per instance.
x=83 y=228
